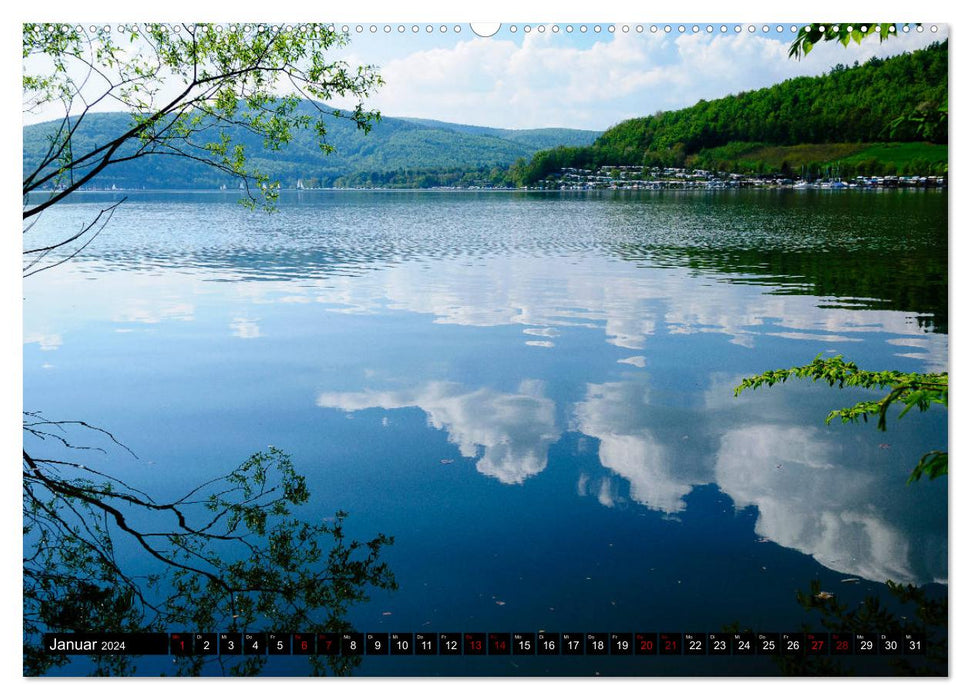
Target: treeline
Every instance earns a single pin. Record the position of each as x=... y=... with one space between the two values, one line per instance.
x=899 y=99
x=421 y=178
x=402 y=152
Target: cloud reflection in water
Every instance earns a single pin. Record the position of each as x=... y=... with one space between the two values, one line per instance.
x=508 y=434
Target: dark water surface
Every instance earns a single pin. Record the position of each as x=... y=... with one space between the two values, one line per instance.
x=533 y=393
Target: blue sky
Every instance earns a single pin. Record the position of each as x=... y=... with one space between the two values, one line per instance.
x=466 y=91
x=578 y=74
x=536 y=75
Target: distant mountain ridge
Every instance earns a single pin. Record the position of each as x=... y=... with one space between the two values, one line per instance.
x=394 y=145
x=551 y=137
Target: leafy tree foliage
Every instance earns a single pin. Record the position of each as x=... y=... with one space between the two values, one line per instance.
x=229 y=555
x=926 y=620
x=184 y=89
x=810 y=35
x=913 y=389
x=850 y=104
x=907 y=389
x=234 y=553
x=927 y=120
x=930 y=617
x=389 y=154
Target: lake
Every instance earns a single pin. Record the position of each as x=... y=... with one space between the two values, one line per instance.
x=532 y=392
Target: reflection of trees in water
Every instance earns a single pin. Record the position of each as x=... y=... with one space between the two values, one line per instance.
x=925 y=624
x=914 y=281
x=877 y=251
x=231 y=554
x=881 y=251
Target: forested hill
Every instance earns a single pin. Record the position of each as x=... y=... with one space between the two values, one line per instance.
x=543 y=138
x=903 y=98
x=405 y=150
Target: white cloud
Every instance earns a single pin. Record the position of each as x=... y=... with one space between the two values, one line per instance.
x=811 y=494
x=542 y=81
x=619 y=416
x=151 y=311
x=245 y=328
x=46 y=341
x=508 y=434
x=810 y=500
x=546 y=79
x=629 y=305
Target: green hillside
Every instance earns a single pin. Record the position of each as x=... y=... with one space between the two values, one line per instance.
x=888 y=116
x=394 y=150
x=846 y=159
x=543 y=138
x=900 y=99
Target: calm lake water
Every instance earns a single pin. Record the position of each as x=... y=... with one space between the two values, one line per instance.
x=533 y=393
